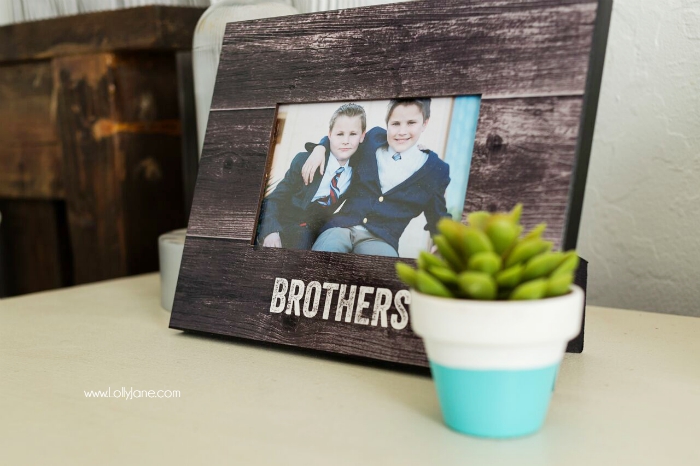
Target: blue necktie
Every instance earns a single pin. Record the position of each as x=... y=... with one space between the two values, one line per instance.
x=396 y=156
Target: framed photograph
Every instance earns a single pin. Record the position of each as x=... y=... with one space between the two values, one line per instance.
x=337 y=140
x=402 y=164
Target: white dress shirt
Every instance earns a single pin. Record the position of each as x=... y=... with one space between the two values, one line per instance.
x=343 y=182
x=394 y=172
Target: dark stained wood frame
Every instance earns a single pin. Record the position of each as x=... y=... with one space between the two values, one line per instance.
x=537 y=65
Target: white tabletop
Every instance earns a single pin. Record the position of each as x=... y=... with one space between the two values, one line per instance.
x=632 y=397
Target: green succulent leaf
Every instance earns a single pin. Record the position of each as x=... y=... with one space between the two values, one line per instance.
x=534 y=289
x=448 y=253
x=478 y=285
x=542 y=265
x=569 y=264
x=475 y=241
x=516 y=213
x=501 y=231
x=407 y=274
x=535 y=232
x=453 y=232
x=426 y=260
x=430 y=285
x=478 y=219
x=510 y=277
x=527 y=249
x=519 y=230
x=559 y=285
x=487 y=262
x=444 y=274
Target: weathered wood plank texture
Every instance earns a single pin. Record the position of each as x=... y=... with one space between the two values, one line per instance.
x=120 y=128
x=429 y=48
x=152 y=28
x=525 y=152
x=30 y=156
x=26 y=114
x=231 y=174
x=225 y=288
x=31 y=172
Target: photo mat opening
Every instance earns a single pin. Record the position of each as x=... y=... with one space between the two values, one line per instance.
x=392 y=169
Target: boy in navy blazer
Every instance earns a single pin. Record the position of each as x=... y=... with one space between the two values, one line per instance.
x=394 y=182
x=293 y=213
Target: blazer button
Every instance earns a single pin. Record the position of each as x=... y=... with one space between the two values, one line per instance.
x=364 y=220
x=381 y=198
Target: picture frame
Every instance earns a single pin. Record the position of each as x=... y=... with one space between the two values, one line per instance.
x=537 y=66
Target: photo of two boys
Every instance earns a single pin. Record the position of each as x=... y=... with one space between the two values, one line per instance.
x=375 y=184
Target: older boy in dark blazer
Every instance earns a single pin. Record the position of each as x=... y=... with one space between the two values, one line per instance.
x=293 y=213
x=394 y=182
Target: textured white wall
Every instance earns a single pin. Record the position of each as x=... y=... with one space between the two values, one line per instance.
x=641 y=218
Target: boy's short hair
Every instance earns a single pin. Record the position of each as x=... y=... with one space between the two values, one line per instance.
x=422 y=104
x=349 y=110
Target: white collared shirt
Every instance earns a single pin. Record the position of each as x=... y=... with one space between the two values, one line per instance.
x=394 y=172
x=343 y=182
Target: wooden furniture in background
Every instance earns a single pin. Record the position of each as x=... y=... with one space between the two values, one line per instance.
x=90 y=144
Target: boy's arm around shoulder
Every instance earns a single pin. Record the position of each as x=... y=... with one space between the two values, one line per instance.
x=318 y=158
x=281 y=197
x=376 y=132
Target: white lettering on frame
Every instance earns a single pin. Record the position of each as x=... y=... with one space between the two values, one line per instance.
x=354 y=301
x=279 y=295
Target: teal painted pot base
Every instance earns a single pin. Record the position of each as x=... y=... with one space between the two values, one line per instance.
x=494 y=403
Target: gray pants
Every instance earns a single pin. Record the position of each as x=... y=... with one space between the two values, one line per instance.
x=356 y=240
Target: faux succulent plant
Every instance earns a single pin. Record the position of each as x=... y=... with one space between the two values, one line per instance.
x=490 y=259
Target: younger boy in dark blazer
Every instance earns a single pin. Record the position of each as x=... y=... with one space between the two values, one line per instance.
x=293 y=213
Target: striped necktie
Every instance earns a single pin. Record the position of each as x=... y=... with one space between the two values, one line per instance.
x=396 y=157
x=334 y=193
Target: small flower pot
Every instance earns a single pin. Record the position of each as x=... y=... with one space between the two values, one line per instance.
x=495 y=362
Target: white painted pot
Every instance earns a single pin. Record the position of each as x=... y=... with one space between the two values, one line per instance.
x=495 y=362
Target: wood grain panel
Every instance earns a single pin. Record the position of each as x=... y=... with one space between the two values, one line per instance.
x=120 y=140
x=30 y=155
x=94 y=207
x=31 y=172
x=145 y=129
x=231 y=174
x=34 y=247
x=429 y=48
x=26 y=106
x=525 y=152
x=151 y=27
x=225 y=288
